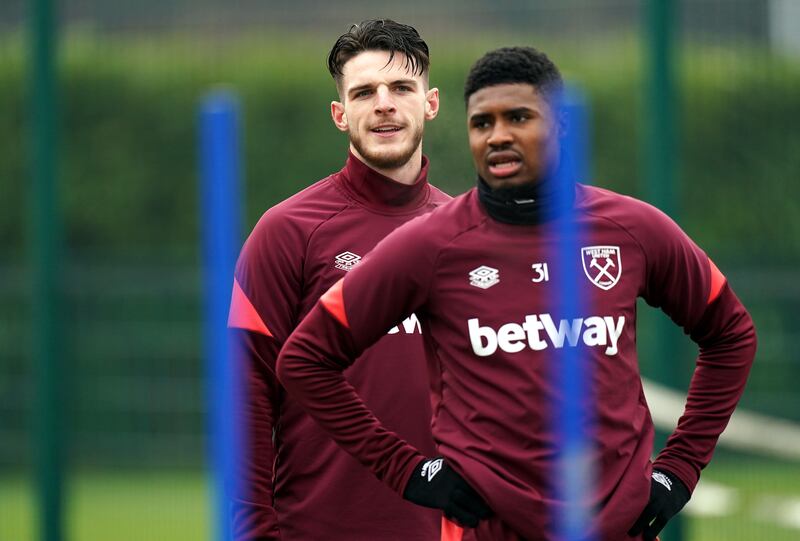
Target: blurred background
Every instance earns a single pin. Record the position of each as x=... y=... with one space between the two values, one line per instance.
x=695 y=106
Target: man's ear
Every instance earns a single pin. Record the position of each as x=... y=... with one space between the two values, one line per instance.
x=431 y=103
x=339 y=116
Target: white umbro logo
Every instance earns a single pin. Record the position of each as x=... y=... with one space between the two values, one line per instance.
x=431 y=468
x=347 y=260
x=663 y=479
x=484 y=277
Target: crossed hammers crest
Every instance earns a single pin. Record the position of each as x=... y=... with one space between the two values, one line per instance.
x=602 y=265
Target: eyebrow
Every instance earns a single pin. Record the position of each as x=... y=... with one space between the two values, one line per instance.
x=367 y=86
x=506 y=113
x=518 y=110
x=480 y=116
x=409 y=82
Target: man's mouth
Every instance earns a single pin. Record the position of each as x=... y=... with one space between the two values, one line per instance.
x=504 y=164
x=387 y=130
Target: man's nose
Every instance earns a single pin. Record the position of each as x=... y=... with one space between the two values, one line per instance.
x=500 y=135
x=384 y=103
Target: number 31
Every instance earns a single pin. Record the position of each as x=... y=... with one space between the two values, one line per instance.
x=541 y=273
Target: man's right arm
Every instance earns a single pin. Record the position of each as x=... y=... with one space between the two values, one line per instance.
x=264 y=305
x=253 y=516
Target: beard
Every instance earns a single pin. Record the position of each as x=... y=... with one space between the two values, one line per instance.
x=382 y=158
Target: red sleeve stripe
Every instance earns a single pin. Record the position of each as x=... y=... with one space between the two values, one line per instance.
x=243 y=314
x=333 y=301
x=717 y=281
x=451 y=531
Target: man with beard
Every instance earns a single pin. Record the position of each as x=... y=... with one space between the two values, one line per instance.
x=484 y=275
x=295 y=483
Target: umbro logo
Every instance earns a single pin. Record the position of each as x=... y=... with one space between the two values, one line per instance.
x=663 y=479
x=484 y=277
x=431 y=468
x=346 y=260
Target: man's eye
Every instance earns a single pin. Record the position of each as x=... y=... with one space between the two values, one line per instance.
x=481 y=124
x=519 y=118
x=403 y=88
x=363 y=93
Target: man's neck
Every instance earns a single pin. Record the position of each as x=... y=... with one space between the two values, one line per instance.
x=407 y=174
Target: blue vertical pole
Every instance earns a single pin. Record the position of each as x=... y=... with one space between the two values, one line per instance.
x=221 y=233
x=573 y=414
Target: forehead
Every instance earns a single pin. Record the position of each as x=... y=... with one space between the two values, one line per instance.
x=503 y=97
x=372 y=67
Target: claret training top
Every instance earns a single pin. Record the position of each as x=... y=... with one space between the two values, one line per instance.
x=298 y=484
x=484 y=292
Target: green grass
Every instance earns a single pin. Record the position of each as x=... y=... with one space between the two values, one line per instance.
x=174 y=506
x=169 y=506
x=761 y=486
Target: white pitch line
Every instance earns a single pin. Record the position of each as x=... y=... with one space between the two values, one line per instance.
x=749 y=431
x=712 y=499
x=783 y=510
x=746 y=430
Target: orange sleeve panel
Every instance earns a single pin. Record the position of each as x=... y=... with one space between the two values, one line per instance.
x=451 y=531
x=243 y=314
x=333 y=301
x=717 y=281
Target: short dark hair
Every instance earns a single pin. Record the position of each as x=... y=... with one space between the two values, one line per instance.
x=379 y=35
x=514 y=65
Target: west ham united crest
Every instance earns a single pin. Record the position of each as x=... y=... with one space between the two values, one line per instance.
x=602 y=265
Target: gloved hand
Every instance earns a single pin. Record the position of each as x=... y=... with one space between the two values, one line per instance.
x=435 y=484
x=668 y=495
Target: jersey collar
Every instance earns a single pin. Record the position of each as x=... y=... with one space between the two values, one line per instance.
x=529 y=204
x=379 y=192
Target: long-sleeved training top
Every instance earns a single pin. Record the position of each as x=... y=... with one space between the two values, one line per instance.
x=297 y=484
x=484 y=292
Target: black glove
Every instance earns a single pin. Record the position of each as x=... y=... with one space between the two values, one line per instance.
x=435 y=484
x=668 y=495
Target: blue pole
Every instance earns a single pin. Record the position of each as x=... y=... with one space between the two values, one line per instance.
x=573 y=414
x=221 y=238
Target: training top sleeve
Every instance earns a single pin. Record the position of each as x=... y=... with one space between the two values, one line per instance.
x=264 y=305
x=682 y=281
x=392 y=282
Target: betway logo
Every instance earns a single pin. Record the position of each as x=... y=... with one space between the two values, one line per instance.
x=410 y=325
x=514 y=337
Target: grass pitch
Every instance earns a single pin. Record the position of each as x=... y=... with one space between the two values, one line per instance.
x=760 y=502
x=102 y=506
